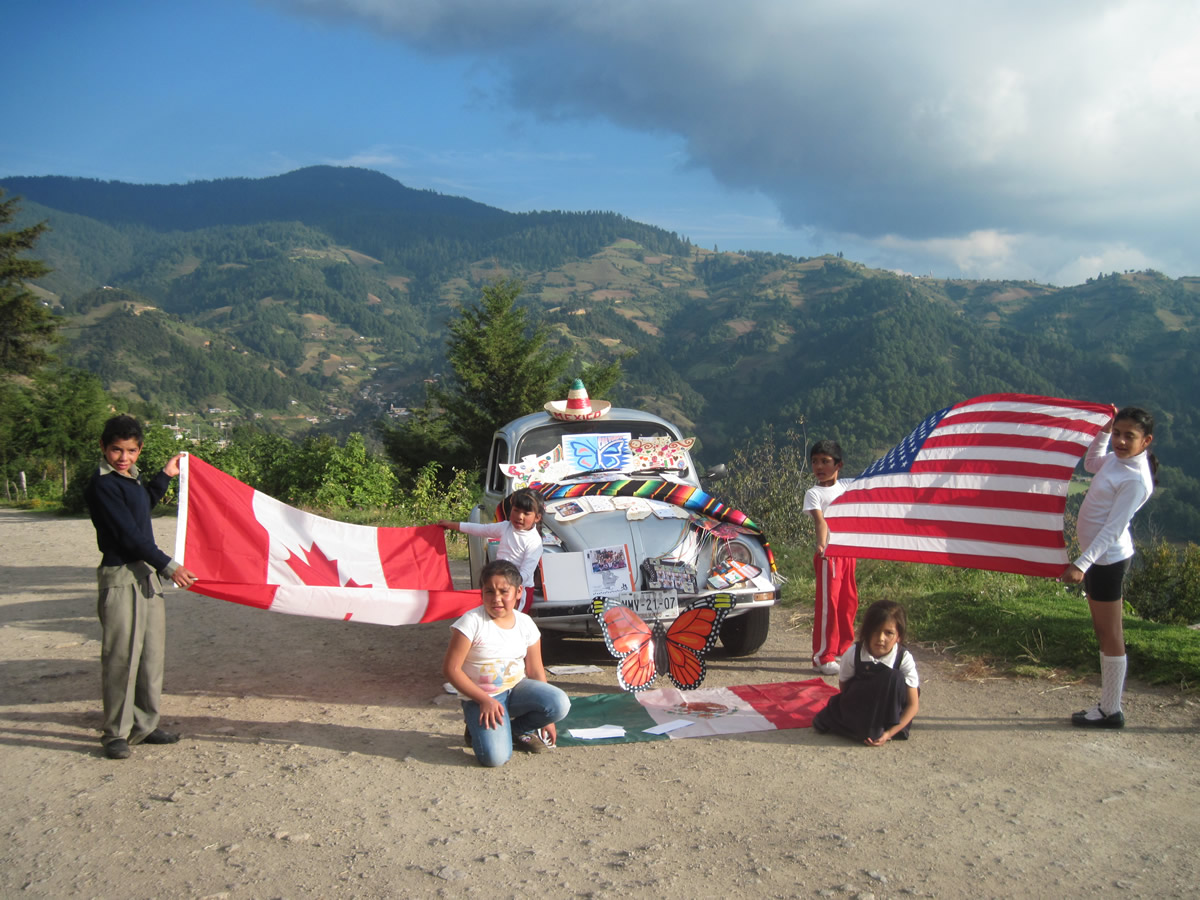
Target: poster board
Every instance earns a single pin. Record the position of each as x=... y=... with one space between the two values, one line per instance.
x=609 y=571
x=564 y=577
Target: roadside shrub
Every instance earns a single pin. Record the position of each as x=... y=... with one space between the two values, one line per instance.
x=326 y=476
x=1165 y=585
x=767 y=481
x=429 y=501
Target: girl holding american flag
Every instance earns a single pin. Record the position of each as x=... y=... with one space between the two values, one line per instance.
x=1123 y=482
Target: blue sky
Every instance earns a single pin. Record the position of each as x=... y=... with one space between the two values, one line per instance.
x=1047 y=140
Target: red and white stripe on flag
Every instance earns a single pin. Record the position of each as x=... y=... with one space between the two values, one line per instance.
x=979 y=485
x=249 y=548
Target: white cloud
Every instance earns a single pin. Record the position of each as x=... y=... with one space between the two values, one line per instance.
x=372 y=158
x=984 y=254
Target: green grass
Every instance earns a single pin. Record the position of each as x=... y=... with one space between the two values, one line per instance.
x=1027 y=626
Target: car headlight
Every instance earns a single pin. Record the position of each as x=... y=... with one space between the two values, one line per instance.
x=735 y=550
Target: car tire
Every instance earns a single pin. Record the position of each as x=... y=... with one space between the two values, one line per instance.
x=744 y=634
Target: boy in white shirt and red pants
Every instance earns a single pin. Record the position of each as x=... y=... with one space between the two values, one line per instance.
x=837 y=594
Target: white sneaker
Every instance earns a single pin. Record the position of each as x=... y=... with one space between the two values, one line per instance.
x=833 y=667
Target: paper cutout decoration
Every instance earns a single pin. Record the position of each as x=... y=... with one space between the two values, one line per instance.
x=541 y=467
x=592 y=452
x=601 y=504
x=678 y=649
x=660 y=452
x=639 y=509
x=608 y=571
x=691 y=498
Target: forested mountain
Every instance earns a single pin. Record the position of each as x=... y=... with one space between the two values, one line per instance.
x=325 y=292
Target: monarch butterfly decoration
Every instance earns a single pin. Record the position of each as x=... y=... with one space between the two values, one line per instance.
x=647 y=649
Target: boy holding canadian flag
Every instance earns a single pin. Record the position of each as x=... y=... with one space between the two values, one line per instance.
x=130 y=605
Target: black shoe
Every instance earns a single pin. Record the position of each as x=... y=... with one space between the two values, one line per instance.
x=158 y=736
x=117 y=749
x=467 y=738
x=1114 y=720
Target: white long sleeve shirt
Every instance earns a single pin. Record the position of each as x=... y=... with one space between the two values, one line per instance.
x=1117 y=491
x=521 y=548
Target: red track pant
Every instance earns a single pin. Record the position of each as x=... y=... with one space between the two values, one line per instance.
x=836 y=606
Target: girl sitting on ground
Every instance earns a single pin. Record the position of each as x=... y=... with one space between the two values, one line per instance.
x=494 y=661
x=878 y=679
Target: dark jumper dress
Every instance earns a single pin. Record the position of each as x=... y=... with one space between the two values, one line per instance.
x=870 y=702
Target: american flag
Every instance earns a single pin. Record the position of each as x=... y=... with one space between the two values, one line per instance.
x=981 y=484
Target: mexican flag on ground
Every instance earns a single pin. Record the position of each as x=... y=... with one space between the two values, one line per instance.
x=709 y=711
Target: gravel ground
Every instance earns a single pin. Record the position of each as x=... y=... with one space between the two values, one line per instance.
x=323 y=759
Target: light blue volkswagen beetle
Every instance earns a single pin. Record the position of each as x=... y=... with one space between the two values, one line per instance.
x=626 y=518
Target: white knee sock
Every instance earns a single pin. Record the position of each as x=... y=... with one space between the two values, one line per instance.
x=1112 y=683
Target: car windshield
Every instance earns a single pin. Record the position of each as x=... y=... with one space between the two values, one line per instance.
x=543 y=440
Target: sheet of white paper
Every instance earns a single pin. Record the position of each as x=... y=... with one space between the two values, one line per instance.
x=598 y=733
x=668 y=726
x=762 y=581
x=574 y=670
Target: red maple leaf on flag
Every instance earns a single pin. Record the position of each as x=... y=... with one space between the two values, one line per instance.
x=319 y=570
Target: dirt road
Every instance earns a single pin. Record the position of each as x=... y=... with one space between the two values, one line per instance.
x=322 y=759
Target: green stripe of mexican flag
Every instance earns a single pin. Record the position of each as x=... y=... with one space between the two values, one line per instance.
x=709 y=711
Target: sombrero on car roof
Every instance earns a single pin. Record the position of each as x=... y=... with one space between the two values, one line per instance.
x=578 y=407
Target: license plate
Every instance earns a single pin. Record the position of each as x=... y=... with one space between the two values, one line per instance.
x=652 y=604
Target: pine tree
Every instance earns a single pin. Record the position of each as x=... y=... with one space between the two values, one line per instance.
x=502 y=369
x=26 y=326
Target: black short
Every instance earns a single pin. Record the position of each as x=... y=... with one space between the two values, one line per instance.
x=1104 y=583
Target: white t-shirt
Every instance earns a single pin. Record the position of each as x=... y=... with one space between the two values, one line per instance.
x=908 y=667
x=819 y=497
x=496 y=660
x=521 y=548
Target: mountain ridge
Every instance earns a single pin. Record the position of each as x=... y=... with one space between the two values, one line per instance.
x=349 y=297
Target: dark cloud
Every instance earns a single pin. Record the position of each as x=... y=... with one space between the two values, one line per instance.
x=1072 y=123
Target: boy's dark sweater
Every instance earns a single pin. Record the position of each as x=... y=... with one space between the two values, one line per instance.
x=120 y=510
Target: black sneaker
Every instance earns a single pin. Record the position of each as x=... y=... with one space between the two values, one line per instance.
x=1083 y=719
x=117 y=749
x=161 y=736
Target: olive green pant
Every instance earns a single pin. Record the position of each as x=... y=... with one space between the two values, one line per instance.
x=133 y=618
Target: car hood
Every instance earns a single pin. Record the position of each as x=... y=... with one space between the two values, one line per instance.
x=646 y=538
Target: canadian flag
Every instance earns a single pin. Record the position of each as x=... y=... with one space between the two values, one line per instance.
x=249 y=548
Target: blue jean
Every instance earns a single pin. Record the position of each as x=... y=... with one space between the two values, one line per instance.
x=528 y=706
